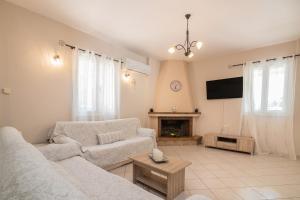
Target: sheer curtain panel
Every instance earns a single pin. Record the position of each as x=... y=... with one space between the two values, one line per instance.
x=268 y=105
x=96 y=87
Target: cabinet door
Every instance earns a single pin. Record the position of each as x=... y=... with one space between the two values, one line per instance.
x=246 y=145
x=210 y=140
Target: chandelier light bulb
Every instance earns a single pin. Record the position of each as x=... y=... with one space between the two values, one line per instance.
x=199 y=45
x=171 y=50
x=191 y=54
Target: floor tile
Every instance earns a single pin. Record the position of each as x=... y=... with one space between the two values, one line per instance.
x=204 y=174
x=183 y=195
x=213 y=183
x=212 y=167
x=233 y=182
x=226 y=194
x=222 y=173
x=277 y=192
x=194 y=184
x=190 y=174
x=251 y=181
x=206 y=193
x=248 y=193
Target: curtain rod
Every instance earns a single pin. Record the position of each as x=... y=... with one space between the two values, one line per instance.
x=62 y=43
x=258 y=61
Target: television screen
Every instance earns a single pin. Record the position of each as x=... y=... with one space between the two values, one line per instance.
x=225 y=88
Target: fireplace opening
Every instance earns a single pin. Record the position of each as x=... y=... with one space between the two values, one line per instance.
x=175 y=127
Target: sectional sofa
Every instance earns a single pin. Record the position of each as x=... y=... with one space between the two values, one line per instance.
x=26 y=174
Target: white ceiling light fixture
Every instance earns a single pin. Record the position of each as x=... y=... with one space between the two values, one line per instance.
x=187 y=44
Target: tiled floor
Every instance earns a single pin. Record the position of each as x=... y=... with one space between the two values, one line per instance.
x=225 y=175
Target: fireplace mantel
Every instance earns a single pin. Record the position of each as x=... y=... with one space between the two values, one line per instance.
x=174 y=114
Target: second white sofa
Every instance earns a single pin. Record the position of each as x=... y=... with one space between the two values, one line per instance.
x=135 y=140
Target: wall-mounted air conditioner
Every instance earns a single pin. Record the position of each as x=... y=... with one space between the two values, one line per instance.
x=137 y=66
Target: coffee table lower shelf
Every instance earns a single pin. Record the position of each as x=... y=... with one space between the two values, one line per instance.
x=155 y=182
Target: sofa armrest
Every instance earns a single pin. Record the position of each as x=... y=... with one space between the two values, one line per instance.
x=62 y=139
x=147 y=132
x=57 y=152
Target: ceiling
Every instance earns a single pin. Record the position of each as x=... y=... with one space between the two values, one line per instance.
x=150 y=27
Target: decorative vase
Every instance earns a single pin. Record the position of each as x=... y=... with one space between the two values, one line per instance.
x=157 y=154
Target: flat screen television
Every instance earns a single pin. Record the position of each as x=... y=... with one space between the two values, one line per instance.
x=225 y=88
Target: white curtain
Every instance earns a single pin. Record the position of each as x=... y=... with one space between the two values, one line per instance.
x=96 y=87
x=268 y=105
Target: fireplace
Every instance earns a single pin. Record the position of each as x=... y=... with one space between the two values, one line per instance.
x=175 y=126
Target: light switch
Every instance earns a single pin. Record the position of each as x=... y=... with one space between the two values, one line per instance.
x=6 y=91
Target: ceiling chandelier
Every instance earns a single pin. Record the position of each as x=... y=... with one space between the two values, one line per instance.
x=187 y=44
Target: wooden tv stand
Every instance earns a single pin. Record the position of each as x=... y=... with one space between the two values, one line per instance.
x=230 y=142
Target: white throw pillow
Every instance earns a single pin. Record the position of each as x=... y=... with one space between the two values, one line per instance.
x=110 y=137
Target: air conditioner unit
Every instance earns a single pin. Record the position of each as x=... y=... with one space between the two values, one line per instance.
x=137 y=66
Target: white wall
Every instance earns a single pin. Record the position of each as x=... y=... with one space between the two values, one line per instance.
x=41 y=93
x=217 y=113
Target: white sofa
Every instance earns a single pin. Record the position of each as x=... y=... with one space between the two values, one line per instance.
x=26 y=174
x=136 y=139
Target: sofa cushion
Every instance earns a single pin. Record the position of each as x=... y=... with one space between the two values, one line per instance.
x=110 y=137
x=83 y=132
x=102 y=185
x=62 y=139
x=129 y=126
x=26 y=174
x=108 y=154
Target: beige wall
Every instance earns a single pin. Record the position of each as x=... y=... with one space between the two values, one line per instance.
x=165 y=97
x=217 y=113
x=297 y=103
x=138 y=94
x=2 y=72
x=41 y=93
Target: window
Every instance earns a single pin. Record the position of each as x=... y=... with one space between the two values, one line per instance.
x=257 y=88
x=269 y=81
x=87 y=82
x=95 y=87
x=275 y=89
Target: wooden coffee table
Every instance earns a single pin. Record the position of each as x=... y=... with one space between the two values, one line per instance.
x=167 y=178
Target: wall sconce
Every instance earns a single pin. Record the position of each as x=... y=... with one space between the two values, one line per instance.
x=56 y=61
x=126 y=76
